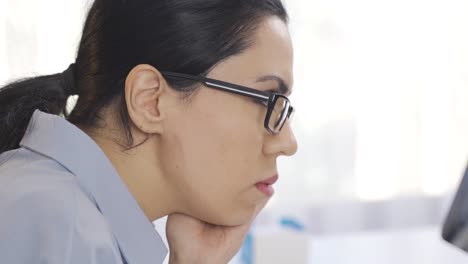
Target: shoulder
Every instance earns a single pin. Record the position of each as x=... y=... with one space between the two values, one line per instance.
x=35 y=187
x=46 y=214
x=38 y=205
x=24 y=169
x=36 y=183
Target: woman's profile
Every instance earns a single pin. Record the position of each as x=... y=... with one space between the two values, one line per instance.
x=182 y=111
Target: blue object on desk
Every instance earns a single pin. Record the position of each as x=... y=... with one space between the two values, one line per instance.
x=247 y=249
x=291 y=223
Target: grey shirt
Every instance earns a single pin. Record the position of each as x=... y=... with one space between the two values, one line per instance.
x=62 y=201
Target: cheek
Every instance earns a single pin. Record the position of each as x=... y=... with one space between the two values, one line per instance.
x=219 y=158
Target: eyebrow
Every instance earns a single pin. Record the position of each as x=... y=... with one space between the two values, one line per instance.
x=282 y=87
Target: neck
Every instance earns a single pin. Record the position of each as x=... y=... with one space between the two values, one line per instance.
x=141 y=174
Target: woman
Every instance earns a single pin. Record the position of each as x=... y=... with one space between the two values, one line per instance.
x=182 y=111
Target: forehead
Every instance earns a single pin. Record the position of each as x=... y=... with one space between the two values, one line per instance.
x=270 y=54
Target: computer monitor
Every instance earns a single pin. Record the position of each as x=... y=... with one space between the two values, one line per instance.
x=455 y=228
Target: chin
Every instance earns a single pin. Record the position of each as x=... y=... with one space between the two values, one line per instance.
x=231 y=218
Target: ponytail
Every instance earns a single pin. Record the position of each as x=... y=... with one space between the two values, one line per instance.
x=19 y=100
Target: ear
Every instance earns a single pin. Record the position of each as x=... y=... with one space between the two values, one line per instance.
x=144 y=89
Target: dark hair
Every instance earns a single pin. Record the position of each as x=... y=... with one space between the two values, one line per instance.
x=187 y=36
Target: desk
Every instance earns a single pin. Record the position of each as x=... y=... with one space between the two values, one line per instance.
x=411 y=246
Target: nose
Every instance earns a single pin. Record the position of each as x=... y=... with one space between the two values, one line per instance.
x=284 y=143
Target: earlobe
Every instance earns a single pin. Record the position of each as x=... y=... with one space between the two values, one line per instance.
x=143 y=89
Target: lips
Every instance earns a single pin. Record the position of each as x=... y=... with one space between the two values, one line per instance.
x=270 y=180
x=266 y=187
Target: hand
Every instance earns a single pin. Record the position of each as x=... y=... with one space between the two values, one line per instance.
x=194 y=241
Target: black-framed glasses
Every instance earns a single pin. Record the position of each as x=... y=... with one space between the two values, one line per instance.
x=279 y=107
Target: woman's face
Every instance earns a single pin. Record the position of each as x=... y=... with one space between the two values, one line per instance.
x=217 y=148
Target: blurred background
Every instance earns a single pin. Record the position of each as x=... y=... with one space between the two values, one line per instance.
x=381 y=91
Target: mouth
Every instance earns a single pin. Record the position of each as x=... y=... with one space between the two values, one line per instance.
x=266 y=186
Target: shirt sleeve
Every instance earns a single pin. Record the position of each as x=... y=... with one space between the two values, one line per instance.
x=37 y=226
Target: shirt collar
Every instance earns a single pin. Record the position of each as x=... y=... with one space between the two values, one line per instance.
x=58 y=139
